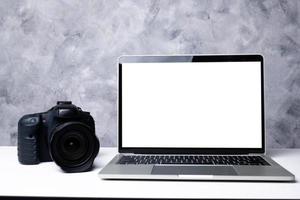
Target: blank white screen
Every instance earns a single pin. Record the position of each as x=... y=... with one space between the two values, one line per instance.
x=191 y=105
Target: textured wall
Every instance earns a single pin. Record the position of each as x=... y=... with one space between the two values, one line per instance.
x=66 y=50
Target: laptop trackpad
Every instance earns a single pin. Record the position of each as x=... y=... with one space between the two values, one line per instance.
x=194 y=170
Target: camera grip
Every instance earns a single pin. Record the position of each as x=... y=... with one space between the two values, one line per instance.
x=28 y=140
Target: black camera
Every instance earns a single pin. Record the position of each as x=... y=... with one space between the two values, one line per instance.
x=64 y=134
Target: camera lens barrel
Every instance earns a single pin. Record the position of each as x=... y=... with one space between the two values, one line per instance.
x=73 y=146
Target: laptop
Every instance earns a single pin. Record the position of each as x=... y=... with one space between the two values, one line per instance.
x=192 y=117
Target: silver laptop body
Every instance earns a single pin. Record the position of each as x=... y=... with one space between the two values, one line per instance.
x=192 y=117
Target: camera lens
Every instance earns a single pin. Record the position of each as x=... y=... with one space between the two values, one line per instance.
x=73 y=146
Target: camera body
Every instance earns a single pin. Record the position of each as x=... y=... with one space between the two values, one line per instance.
x=64 y=134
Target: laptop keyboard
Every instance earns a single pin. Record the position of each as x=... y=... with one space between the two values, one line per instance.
x=192 y=160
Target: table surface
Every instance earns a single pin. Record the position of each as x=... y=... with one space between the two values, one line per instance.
x=46 y=179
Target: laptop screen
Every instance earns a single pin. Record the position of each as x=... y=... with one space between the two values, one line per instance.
x=202 y=104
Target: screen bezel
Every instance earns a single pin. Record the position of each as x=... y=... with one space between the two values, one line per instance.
x=189 y=58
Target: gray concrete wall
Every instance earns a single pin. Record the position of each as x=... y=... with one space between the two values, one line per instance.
x=66 y=50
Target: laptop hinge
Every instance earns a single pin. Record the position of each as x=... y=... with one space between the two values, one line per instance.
x=249 y=154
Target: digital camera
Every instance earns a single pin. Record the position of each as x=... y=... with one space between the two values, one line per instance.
x=64 y=134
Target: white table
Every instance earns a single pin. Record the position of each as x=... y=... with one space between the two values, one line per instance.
x=46 y=179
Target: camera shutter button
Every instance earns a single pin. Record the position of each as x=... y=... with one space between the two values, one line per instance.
x=31 y=121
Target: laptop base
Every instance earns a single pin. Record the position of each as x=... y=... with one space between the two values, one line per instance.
x=273 y=172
